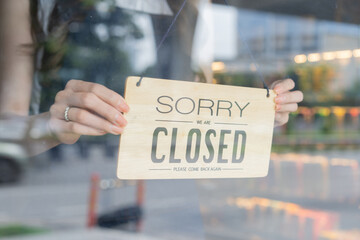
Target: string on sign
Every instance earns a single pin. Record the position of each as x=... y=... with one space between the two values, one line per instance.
x=253 y=60
x=258 y=70
x=166 y=34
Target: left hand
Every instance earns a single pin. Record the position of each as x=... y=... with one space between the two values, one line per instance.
x=93 y=110
x=286 y=100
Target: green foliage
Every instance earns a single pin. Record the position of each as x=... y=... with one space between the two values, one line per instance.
x=290 y=126
x=94 y=49
x=16 y=230
x=354 y=92
x=315 y=81
x=237 y=79
x=328 y=125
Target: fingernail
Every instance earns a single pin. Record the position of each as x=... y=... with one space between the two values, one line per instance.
x=116 y=130
x=117 y=116
x=124 y=107
x=279 y=99
x=127 y=108
x=277 y=90
x=120 y=120
x=277 y=107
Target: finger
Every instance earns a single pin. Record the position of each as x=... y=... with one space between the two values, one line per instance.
x=61 y=127
x=109 y=96
x=284 y=86
x=86 y=118
x=289 y=97
x=292 y=107
x=281 y=118
x=275 y=83
x=94 y=104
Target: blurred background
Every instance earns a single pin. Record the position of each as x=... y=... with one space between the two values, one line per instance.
x=312 y=191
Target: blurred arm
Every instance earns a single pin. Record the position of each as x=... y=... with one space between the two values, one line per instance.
x=16 y=76
x=16 y=60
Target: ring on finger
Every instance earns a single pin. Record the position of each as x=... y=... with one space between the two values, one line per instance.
x=66 y=114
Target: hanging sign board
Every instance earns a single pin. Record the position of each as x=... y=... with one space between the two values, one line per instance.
x=187 y=130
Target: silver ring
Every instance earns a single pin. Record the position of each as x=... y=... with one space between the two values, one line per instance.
x=66 y=114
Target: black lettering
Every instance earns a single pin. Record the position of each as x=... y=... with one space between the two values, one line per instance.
x=236 y=143
x=154 y=145
x=173 y=146
x=162 y=103
x=228 y=108
x=222 y=146
x=177 y=103
x=192 y=132
x=241 y=109
x=209 y=107
x=209 y=146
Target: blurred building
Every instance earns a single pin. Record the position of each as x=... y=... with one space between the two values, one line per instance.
x=278 y=41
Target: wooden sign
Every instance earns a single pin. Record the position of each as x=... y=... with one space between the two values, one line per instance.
x=179 y=130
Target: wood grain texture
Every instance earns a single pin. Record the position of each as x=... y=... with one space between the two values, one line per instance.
x=187 y=130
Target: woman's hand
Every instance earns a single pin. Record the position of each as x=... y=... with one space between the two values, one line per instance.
x=93 y=110
x=285 y=100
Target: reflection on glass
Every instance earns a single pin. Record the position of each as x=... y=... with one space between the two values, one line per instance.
x=312 y=190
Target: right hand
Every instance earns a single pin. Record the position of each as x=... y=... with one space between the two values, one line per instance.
x=286 y=100
x=94 y=110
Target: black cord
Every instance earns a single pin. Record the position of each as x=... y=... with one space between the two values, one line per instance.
x=254 y=61
x=166 y=34
x=243 y=40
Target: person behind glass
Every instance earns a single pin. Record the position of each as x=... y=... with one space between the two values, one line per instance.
x=82 y=107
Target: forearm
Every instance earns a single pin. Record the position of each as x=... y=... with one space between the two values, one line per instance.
x=16 y=57
x=31 y=133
